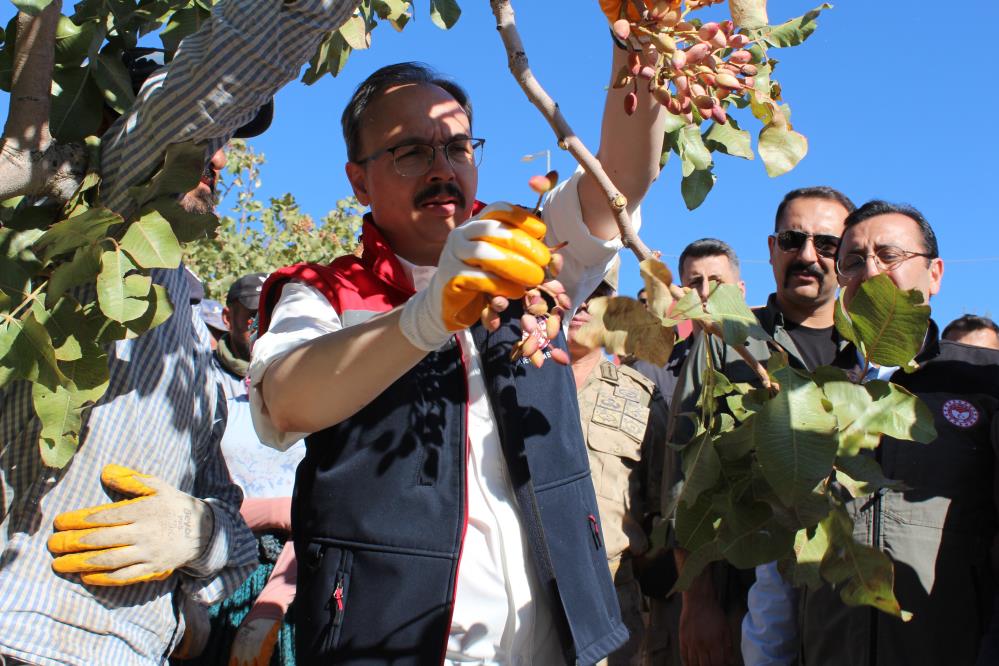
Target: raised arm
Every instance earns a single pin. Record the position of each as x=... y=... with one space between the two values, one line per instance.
x=216 y=82
x=630 y=148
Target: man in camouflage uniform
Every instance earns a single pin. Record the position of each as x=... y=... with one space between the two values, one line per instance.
x=624 y=423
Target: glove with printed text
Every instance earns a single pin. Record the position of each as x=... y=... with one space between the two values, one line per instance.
x=134 y=540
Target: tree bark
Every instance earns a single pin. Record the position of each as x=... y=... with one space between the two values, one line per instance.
x=31 y=163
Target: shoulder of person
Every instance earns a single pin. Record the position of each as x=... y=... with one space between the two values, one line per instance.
x=631 y=376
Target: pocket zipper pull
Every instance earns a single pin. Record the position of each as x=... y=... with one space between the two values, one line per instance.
x=338 y=596
x=595 y=528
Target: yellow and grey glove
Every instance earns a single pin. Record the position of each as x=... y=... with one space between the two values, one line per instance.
x=134 y=540
x=499 y=252
x=254 y=642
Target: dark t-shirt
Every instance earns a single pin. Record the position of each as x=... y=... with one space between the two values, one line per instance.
x=817 y=346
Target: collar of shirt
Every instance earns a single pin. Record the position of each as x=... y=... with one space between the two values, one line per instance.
x=883 y=372
x=418 y=275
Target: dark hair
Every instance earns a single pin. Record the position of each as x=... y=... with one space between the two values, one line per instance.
x=968 y=324
x=708 y=247
x=818 y=192
x=877 y=207
x=390 y=76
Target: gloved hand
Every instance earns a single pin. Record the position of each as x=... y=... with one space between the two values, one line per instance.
x=135 y=540
x=616 y=9
x=497 y=253
x=254 y=642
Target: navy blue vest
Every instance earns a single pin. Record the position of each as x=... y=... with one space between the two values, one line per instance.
x=379 y=512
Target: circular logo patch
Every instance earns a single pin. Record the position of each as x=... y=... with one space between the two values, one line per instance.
x=961 y=413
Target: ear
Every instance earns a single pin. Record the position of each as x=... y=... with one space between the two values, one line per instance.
x=742 y=288
x=358 y=181
x=936 y=275
x=227 y=317
x=771 y=242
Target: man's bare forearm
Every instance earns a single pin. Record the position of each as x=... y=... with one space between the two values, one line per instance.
x=331 y=378
x=630 y=149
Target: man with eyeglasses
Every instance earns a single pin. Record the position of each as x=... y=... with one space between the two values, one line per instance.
x=939 y=527
x=799 y=316
x=444 y=509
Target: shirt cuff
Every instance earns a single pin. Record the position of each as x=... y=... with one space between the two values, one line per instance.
x=216 y=556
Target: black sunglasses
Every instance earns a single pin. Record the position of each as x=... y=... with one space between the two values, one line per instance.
x=791 y=240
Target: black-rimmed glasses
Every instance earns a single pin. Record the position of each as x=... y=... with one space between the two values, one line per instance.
x=792 y=240
x=886 y=258
x=415 y=159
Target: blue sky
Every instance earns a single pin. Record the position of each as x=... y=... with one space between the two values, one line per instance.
x=891 y=110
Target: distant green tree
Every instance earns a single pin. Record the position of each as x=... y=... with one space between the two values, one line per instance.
x=258 y=237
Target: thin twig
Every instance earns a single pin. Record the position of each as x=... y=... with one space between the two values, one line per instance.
x=567 y=139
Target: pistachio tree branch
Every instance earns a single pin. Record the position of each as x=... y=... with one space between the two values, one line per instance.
x=567 y=139
x=517 y=59
x=30 y=162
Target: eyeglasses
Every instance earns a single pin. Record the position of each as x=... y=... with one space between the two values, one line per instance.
x=886 y=258
x=415 y=159
x=791 y=240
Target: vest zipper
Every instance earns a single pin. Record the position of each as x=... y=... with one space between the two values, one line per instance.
x=464 y=485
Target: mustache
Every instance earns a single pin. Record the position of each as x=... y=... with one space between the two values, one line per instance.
x=812 y=269
x=436 y=189
x=208 y=175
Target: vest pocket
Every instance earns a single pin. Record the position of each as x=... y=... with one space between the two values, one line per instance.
x=324 y=591
x=336 y=605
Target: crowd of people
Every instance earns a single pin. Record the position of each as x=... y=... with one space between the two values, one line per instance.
x=343 y=464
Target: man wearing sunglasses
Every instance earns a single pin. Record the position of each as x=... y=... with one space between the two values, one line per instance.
x=444 y=509
x=799 y=316
x=940 y=528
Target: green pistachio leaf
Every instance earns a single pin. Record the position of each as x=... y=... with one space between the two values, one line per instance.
x=701 y=468
x=810 y=547
x=861 y=475
x=781 y=148
x=181 y=172
x=151 y=243
x=693 y=152
x=795 y=31
x=795 y=436
x=729 y=139
x=749 y=536
x=890 y=323
x=82 y=269
x=72 y=42
x=695 y=564
x=444 y=13
x=695 y=187
x=355 y=32
x=727 y=306
x=61 y=421
x=77 y=104
x=657 y=279
x=80 y=231
x=183 y=22
x=863 y=575
x=695 y=523
x=187 y=226
x=113 y=79
x=113 y=294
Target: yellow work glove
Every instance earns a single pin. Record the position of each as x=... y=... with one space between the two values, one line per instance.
x=497 y=253
x=617 y=9
x=135 y=540
x=254 y=642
